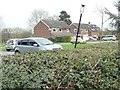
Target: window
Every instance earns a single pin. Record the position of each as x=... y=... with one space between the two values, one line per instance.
x=24 y=42
x=93 y=29
x=44 y=41
x=10 y=41
x=75 y=30
x=60 y=30
x=54 y=30
x=32 y=42
x=19 y=42
x=67 y=30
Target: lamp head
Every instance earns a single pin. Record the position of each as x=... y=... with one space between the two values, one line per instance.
x=82 y=5
x=82 y=8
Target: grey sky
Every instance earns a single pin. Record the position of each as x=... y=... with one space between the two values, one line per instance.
x=15 y=13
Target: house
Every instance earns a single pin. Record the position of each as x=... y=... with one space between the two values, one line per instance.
x=85 y=29
x=51 y=29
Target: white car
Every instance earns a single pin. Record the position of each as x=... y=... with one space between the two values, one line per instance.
x=36 y=44
x=109 y=37
x=93 y=38
x=79 y=40
x=10 y=44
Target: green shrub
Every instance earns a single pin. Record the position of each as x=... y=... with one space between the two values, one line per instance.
x=59 y=39
x=87 y=68
x=62 y=39
x=67 y=38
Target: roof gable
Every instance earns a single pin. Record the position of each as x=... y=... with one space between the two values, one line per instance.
x=94 y=28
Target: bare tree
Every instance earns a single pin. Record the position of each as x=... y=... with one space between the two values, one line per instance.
x=20 y=33
x=1 y=26
x=1 y=22
x=36 y=16
x=5 y=34
x=101 y=12
x=54 y=17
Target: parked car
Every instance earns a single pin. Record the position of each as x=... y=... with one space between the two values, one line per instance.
x=109 y=37
x=35 y=44
x=10 y=44
x=93 y=38
x=79 y=40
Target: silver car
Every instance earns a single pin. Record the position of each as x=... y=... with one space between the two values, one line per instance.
x=10 y=44
x=35 y=44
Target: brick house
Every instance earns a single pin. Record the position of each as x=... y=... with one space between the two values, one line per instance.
x=51 y=28
x=85 y=29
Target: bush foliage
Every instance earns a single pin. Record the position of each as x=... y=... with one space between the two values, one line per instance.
x=61 y=39
x=87 y=68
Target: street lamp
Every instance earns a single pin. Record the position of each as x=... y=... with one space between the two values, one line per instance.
x=81 y=11
x=118 y=27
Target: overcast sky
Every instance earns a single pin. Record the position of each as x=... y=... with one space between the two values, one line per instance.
x=15 y=13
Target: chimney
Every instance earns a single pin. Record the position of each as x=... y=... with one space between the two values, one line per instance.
x=89 y=23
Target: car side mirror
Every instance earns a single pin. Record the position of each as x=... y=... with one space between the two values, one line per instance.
x=11 y=44
x=35 y=45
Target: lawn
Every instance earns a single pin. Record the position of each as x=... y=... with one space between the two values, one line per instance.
x=71 y=46
x=64 y=45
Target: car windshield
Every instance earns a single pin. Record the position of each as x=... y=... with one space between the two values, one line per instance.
x=109 y=36
x=44 y=41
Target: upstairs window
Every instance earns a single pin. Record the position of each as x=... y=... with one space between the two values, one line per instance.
x=54 y=30
x=75 y=30
x=60 y=30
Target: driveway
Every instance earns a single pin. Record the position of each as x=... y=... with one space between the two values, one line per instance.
x=5 y=53
x=94 y=42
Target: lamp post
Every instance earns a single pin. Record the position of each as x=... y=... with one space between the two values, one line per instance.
x=118 y=26
x=81 y=11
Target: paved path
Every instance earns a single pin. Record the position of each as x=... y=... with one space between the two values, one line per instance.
x=94 y=42
x=5 y=53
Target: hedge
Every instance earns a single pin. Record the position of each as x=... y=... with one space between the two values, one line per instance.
x=61 y=39
x=87 y=68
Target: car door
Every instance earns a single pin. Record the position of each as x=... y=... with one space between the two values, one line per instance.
x=32 y=46
x=24 y=46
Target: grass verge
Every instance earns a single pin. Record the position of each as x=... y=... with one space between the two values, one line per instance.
x=71 y=46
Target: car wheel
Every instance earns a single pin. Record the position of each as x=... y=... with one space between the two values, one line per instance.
x=72 y=42
x=17 y=52
x=8 y=49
